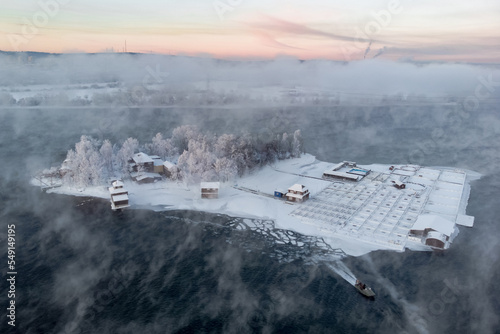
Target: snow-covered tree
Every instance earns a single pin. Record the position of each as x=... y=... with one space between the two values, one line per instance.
x=106 y=151
x=95 y=168
x=85 y=163
x=203 y=158
x=297 y=148
x=161 y=147
x=129 y=147
x=249 y=155
x=197 y=162
x=70 y=166
x=225 y=145
x=282 y=145
x=182 y=135
x=225 y=169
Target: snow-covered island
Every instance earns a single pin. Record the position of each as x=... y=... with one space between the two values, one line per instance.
x=358 y=208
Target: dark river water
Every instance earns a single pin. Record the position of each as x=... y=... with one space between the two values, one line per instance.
x=82 y=268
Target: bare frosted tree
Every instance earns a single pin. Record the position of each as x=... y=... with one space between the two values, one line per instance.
x=225 y=169
x=225 y=145
x=162 y=147
x=129 y=147
x=203 y=158
x=297 y=148
x=106 y=151
x=197 y=162
x=85 y=163
x=182 y=135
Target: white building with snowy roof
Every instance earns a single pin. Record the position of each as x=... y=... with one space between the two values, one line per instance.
x=119 y=195
x=346 y=171
x=435 y=231
x=142 y=161
x=297 y=193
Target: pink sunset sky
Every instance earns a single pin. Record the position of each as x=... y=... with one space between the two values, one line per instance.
x=447 y=30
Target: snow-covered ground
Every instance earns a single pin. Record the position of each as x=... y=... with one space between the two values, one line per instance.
x=357 y=217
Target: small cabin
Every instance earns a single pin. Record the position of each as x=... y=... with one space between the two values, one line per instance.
x=210 y=189
x=398 y=184
x=157 y=164
x=169 y=169
x=142 y=162
x=297 y=193
x=119 y=195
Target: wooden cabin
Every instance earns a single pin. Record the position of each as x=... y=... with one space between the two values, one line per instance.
x=210 y=189
x=169 y=169
x=119 y=196
x=157 y=164
x=142 y=162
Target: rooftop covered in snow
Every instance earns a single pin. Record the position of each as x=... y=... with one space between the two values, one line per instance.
x=117 y=184
x=435 y=223
x=298 y=187
x=142 y=158
x=210 y=185
x=168 y=164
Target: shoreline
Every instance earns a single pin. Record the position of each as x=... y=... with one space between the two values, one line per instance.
x=233 y=201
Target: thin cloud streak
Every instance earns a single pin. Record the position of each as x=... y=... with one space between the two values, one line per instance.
x=314 y=30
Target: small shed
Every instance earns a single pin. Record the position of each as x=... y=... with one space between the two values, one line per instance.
x=398 y=184
x=169 y=168
x=279 y=193
x=210 y=189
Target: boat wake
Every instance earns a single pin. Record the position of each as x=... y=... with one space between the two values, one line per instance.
x=342 y=270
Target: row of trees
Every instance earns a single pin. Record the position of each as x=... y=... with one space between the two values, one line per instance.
x=147 y=97
x=199 y=156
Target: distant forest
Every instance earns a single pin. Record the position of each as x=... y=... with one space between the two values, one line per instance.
x=114 y=94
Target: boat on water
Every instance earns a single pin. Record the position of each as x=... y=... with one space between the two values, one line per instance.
x=363 y=289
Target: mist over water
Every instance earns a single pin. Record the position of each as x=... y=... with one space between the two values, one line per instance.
x=85 y=269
